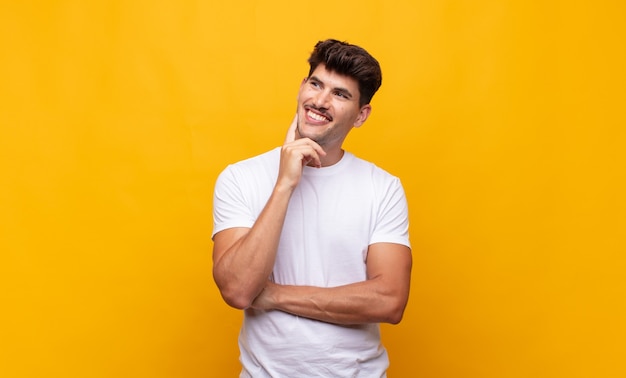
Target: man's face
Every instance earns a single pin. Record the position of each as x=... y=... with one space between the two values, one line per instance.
x=328 y=107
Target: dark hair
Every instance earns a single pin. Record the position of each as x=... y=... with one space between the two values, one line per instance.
x=350 y=60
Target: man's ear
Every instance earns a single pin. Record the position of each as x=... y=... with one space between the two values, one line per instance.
x=363 y=114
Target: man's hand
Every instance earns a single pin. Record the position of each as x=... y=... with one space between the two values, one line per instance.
x=295 y=154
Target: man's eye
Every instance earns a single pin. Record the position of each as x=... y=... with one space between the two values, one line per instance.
x=315 y=84
x=341 y=94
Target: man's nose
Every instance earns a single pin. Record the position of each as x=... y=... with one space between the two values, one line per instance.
x=322 y=99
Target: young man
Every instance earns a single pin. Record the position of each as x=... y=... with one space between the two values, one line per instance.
x=311 y=241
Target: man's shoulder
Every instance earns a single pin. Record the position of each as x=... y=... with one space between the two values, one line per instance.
x=371 y=167
x=251 y=173
x=255 y=162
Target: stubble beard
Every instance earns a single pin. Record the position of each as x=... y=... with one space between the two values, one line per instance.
x=322 y=139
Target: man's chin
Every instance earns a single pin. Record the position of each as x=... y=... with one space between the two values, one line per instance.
x=317 y=138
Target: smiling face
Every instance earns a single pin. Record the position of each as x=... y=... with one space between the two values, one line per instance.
x=328 y=108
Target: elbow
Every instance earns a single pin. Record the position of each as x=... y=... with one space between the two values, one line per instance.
x=236 y=298
x=395 y=317
x=238 y=302
x=234 y=295
x=395 y=312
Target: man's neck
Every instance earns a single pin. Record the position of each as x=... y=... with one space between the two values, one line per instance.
x=332 y=157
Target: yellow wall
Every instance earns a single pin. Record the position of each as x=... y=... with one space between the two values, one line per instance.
x=505 y=120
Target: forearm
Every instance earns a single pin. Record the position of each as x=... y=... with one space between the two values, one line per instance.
x=243 y=268
x=369 y=301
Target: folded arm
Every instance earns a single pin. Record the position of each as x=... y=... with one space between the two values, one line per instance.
x=380 y=298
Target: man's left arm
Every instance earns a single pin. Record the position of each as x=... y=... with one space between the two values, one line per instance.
x=381 y=298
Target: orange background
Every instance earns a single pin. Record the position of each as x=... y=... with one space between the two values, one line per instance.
x=505 y=121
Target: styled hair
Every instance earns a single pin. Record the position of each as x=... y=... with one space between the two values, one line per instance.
x=349 y=60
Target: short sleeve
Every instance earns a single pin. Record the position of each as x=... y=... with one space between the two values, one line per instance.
x=230 y=207
x=392 y=223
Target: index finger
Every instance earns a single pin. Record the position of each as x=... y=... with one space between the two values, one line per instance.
x=291 y=133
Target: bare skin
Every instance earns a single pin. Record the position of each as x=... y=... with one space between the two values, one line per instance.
x=244 y=257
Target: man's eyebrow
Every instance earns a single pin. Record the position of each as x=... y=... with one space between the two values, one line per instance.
x=344 y=91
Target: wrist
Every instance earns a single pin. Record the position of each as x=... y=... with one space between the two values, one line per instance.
x=284 y=188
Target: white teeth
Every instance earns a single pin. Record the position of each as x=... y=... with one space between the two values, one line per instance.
x=315 y=116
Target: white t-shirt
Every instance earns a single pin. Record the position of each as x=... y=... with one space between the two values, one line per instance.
x=334 y=214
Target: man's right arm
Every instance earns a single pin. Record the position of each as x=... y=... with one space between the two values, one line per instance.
x=243 y=258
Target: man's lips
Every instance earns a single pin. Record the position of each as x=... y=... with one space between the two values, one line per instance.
x=317 y=115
